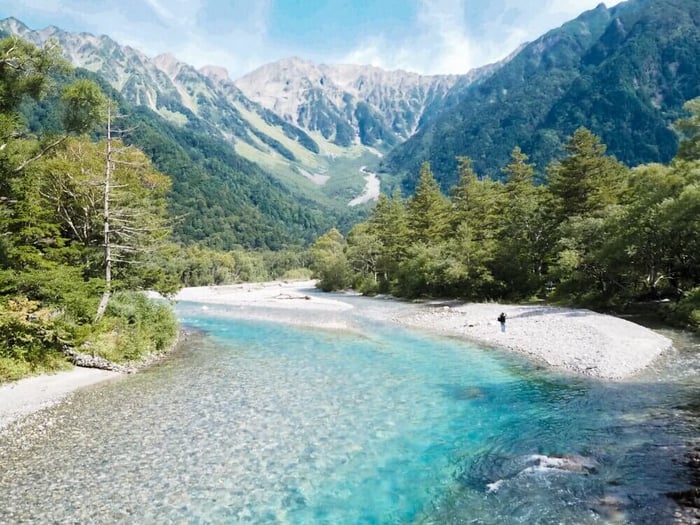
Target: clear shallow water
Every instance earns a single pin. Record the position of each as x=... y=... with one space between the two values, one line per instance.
x=255 y=422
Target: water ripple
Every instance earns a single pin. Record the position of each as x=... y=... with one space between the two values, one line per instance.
x=264 y=423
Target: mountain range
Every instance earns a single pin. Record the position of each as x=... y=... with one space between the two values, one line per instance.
x=316 y=132
x=623 y=72
x=308 y=124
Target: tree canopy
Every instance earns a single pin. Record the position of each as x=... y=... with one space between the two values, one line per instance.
x=598 y=234
x=52 y=215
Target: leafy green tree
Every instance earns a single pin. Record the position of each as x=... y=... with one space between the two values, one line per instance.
x=586 y=188
x=525 y=233
x=424 y=272
x=681 y=217
x=364 y=252
x=84 y=106
x=52 y=215
x=581 y=270
x=643 y=241
x=73 y=182
x=689 y=128
x=24 y=72
x=330 y=263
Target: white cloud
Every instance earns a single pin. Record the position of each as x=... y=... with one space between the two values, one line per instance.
x=445 y=40
x=437 y=44
x=234 y=38
x=163 y=13
x=446 y=36
x=442 y=24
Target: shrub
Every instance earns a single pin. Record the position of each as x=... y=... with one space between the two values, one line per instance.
x=298 y=274
x=29 y=339
x=687 y=310
x=134 y=326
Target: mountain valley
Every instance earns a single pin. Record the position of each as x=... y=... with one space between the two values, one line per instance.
x=316 y=130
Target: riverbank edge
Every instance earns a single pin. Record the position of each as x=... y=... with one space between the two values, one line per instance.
x=571 y=340
x=474 y=322
x=26 y=396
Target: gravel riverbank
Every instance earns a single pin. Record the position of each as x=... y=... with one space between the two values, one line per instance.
x=572 y=340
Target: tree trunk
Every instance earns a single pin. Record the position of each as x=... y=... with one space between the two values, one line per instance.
x=107 y=246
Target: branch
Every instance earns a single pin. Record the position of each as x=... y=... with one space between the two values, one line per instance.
x=40 y=154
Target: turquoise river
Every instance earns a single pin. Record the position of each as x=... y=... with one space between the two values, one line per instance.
x=253 y=421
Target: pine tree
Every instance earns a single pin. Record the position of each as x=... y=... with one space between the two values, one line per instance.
x=428 y=210
x=586 y=180
x=475 y=224
x=389 y=224
x=524 y=235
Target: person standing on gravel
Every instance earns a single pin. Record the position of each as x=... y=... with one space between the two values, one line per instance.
x=502 y=320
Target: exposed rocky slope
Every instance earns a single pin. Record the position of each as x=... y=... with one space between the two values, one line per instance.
x=347 y=103
x=307 y=124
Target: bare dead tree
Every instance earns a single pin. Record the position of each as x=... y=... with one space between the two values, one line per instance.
x=109 y=168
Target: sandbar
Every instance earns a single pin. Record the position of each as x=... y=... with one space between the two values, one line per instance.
x=572 y=340
x=31 y=394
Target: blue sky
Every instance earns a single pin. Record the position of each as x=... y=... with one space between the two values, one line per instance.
x=426 y=36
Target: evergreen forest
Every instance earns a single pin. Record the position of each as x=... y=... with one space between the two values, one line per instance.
x=597 y=234
x=84 y=227
x=101 y=201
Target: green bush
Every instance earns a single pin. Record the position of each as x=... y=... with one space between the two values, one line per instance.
x=61 y=286
x=29 y=339
x=298 y=274
x=13 y=369
x=687 y=311
x=133 y=327
x=366 y=285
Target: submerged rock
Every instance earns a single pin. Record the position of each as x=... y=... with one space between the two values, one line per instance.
x=567 y=462
x=689 y=500
x=494 y=473
x=612 y=507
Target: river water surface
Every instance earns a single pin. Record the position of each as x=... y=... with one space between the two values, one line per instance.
x=259 y=422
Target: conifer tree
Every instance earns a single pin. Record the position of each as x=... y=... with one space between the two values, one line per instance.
x=586 y=180
x=474 y=225
x=428 y=210
x=389 y=223
x=524 y=235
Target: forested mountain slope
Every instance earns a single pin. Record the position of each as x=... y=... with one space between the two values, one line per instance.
x=623 y=72
x=313 y=127
x=217 y=198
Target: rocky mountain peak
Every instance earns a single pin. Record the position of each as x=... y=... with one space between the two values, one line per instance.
x=346 y=103
x=14 y=26
x=168 y=64
x=216 y=73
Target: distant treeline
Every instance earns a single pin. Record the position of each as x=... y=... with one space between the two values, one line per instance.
x=597 y=233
